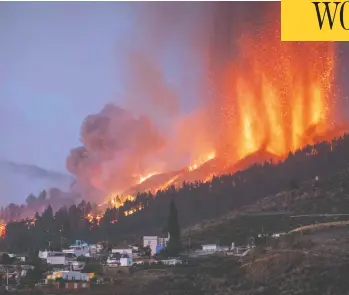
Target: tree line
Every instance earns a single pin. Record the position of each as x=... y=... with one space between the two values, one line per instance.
x=194 y=201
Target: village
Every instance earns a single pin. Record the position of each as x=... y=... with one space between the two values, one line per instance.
x=83 y=264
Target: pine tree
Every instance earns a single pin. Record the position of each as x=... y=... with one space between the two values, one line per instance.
x=174 y=244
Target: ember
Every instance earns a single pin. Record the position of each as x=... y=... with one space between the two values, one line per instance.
x=277 y=96
x=2 y=229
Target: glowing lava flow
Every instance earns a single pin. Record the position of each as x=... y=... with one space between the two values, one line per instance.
x=277 y=96
x=144 y=178
x=201 y=161
x=167 y=183
x=2 y=229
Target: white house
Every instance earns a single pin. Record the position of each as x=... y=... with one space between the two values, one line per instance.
x=43 y=254
x=163 y=241
x=155 y=243
x=21 y=258
x=60 y=258
x=215 y=248
x=80 y=248
x=151 y=242
x=209 y=248
x=112 y=260
x=70 y=275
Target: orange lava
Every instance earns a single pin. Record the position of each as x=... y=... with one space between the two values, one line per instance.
x=273 y=97
x=2 y=230
x=202 y=160
x=276 y=96
x=144 y=178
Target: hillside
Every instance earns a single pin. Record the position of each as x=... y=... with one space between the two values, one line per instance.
x=307 y=262
x=324 y=200
x=308 y=265
x=224 y=196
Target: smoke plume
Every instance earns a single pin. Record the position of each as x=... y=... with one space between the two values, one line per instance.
x=170 y=118
x=149 y=133
x=115 y=146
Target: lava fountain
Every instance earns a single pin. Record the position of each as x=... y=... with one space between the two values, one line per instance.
x=275 y=96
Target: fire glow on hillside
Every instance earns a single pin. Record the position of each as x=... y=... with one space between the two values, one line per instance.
x=276 y=98
x=2 y=229
x=271 y=99
x=201 y=161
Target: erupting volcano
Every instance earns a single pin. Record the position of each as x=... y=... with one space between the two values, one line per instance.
x=277 y=97
x=261 y=99
x=272 y=99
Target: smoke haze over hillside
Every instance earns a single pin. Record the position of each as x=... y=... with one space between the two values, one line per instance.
x=180 y=71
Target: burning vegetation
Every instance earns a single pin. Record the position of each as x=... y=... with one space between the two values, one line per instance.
x=2 y=229
x=274 y=98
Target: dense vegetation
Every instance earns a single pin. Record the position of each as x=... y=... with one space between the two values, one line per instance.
x=194 y=202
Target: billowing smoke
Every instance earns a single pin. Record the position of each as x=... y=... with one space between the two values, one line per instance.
x=169 y=111
x=115 y=146
x=149 y=133
x=171 y=117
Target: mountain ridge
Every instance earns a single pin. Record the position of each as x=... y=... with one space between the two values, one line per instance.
x=18 y=180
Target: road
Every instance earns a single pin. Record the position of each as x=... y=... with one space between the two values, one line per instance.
x=320 y=225
x=320 y=215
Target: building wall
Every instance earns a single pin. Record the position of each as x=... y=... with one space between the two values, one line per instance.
x=81 y=251
x=76 y=286
x=126 y=261
x=122 y=251
x=57 y=260
x=43 y=254
x=163 y=241
x=72 y=275
x=209 y=247
x=152 y=242
x=159 y=248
